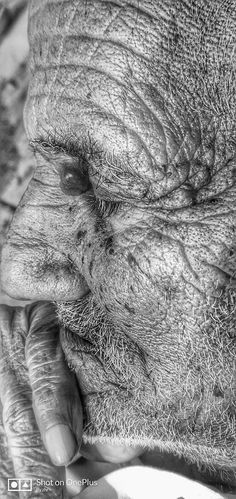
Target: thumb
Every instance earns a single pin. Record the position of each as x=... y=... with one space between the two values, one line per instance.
x=55 y=392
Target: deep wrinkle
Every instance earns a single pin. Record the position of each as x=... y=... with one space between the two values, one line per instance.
x=149 y=107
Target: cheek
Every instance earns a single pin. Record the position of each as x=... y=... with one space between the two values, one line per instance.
x=131 y=281
x=146 y=281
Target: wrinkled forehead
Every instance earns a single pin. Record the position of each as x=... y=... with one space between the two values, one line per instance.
x=97 y=51
x=140 y=25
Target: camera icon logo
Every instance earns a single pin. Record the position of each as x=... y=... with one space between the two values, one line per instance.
x=19 y=484
x=13 y=484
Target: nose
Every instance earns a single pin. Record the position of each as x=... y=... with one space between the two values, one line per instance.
x=38 y=259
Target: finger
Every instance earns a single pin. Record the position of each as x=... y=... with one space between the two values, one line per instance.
x=110 y=453
x=29 y=457
x=137 y=482
x=55 y=393
x=6 y=465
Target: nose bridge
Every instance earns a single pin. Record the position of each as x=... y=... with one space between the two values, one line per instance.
x=34 y=213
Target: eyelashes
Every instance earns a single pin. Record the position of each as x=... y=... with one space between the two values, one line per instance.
x=105 y=208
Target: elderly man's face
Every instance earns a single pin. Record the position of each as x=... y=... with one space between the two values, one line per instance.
x=129 y=222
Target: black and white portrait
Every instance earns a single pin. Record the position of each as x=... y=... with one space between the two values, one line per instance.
x=118 y=249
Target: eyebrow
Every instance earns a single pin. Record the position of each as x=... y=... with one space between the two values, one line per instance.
x=80 y=153
x=51 y=149
x=83 y=152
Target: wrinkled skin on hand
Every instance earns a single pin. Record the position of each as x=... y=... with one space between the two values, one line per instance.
x=29 y=368
x=129 y=222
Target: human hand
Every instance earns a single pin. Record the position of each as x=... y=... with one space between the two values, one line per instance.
x=41 y=425
x=39 y=397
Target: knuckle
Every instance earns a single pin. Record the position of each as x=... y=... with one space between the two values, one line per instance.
x=18 y=416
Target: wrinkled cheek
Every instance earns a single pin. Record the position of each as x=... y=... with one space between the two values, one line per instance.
x=123 y=288
x=146 y=287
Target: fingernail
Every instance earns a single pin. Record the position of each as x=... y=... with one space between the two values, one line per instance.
x=60 y=444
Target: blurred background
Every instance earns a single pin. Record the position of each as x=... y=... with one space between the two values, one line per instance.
x=16 y=160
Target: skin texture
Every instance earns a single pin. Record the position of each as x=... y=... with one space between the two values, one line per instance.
x=22 y=453
x=129 y=221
